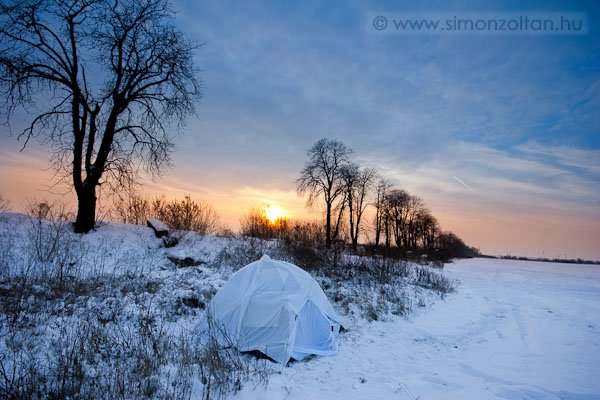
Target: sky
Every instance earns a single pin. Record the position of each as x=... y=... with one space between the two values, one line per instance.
x=499 y=133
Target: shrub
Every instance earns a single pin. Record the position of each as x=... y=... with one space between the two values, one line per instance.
x=4 y=204
x=255 y=223
x=305 y=231
x=307 y=256
x=430 y=279
x=51 y=243
x=132 y=209
x=113 y=347
x=223 y=369
x=186 y=215
x=241 y=253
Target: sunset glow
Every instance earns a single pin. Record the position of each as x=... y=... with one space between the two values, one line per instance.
x=497 y=133
x=274 y=213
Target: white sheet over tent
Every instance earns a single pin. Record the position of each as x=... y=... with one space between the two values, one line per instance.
x=277 y=308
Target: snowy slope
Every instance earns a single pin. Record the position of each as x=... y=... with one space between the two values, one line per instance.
x=512 y=330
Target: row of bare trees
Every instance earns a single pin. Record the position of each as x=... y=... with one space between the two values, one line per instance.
x=402 y=218
x=344 y=185
x=345 y=189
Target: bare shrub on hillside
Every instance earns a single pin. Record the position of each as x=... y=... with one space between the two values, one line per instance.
x=372 y=287
x=241 y=252
x=306 y=231
x=7 y=241
x=180 y=216
x=131 y=208
x=48 y=226
x=19 y=373
x=4 y=204
x=225 y=232
x=431 y=279
x=255 y=223
x=54 y=250
x=96 y=357
x=305 y=255
x=223 y=369
x=186 y=215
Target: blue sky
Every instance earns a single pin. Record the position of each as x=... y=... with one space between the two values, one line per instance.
x=500 y=134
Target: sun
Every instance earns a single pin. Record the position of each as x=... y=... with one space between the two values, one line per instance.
x=273 y=213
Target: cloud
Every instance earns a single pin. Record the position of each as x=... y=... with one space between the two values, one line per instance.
x=585 y=160
x=503 y=178
x=514 y=118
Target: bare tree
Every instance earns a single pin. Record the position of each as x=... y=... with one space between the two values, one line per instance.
x=357 y=183
x=397 y=202
x=382 y=188
x=426 y=228
x=414 y=206
x=322 y=177
x=106 y=82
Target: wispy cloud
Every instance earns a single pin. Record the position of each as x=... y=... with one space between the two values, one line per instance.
x=477 y=125
x=585 y=160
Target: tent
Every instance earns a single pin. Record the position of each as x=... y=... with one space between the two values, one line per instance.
x=276 y=308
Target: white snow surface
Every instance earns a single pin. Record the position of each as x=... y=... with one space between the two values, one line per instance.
x=512 y=330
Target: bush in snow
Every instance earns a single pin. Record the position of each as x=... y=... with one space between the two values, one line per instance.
x=430 y=279
x=180 y=216
x=186 y=215
x=4 y=204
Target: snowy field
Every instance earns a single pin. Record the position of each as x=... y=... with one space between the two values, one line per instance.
x=112 y=314
x=512 y=330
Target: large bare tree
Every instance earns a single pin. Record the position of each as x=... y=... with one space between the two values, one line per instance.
x=427 y=228
x=106 y=83
x=381 y=220
x=397 y=204
x=357 y=183
x=321 y=177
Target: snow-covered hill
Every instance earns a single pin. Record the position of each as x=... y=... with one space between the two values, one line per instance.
x=113 y=314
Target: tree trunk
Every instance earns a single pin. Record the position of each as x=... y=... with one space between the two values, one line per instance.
x=351 y=218
x=377 y=228
x=387 y=233
x=86 y=211
x=328 y=227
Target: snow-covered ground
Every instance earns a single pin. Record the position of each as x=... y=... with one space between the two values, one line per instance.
x=512 y=330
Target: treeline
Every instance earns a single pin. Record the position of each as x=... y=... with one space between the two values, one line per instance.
x=546 y=259
x=344 y=190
